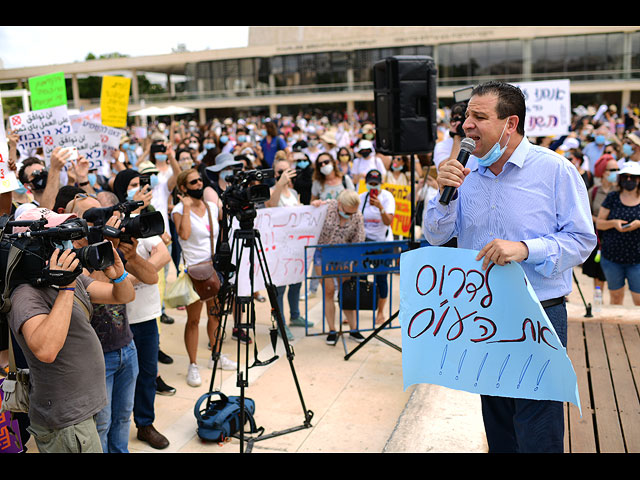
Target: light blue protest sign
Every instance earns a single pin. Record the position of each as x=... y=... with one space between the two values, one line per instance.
x=481 y=331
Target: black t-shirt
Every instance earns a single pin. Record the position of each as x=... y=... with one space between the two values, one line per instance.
x=620 y=247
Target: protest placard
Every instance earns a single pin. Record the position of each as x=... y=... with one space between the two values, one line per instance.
x=109 y=136
x=481 y=331
x=32 y=127
x=10 y=441
x=94 y=115
x=48 y=91
x=548 y=106
x=114 y=101
x=401 y=223
x=89 y=145
x=8 y=180
x=285 y=232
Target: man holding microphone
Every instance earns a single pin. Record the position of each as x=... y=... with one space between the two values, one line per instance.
x=521 y=203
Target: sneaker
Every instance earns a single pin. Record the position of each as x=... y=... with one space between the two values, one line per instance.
x=241 y=335
x=300 y=322
x=356 y=336
x=164 y=389
x=164 y=318
x=225 y=363
x=290 y=336
x=312 y=294
x=332 y=338
x=164 y=358
x=193 y=375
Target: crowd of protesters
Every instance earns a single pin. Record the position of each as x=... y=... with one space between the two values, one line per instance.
x=181 y=168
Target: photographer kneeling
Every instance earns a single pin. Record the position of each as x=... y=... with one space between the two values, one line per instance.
x=52 y=326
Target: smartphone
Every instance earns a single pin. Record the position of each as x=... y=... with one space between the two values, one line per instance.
x=145 y=180
x=374 y=193
x=626 y=225
x=74 y=152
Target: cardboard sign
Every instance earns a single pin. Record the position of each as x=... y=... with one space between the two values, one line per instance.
x=548 y=106
x=89 y=145
x=114 y=101
x=109 y=136
x=48 y=91
x=285 y=232
x=481 y=331
x=94 y=115
x=32 y=127
x=8 y=180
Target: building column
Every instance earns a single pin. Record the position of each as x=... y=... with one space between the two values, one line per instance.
x=135 y=93
x=75 y=90
x=170 y=86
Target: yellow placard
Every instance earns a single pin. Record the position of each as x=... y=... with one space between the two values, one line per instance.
x=114 y=101
x=401 y=223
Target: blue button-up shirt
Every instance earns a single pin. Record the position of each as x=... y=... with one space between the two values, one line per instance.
x=538 y=198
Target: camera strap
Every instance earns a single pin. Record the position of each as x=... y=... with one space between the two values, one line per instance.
x=15 y=254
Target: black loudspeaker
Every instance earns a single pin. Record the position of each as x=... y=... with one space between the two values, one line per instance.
x=405 y=104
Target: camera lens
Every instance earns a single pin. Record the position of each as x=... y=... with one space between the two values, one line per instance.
x=97 y=256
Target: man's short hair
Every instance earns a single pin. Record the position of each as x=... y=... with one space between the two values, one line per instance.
x=510 y=100
x=65 y=195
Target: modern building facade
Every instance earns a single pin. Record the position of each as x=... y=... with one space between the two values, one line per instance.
x=288 y=69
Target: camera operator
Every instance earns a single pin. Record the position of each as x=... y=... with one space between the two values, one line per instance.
x=135 y=343
x=52 y=327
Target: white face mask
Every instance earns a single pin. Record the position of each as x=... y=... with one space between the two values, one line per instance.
x=326 y=169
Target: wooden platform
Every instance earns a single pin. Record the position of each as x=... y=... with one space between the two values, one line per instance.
x=606 y=358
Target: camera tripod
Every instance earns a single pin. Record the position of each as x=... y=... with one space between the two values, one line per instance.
x=243 y=310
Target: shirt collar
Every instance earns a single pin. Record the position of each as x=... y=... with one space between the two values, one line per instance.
x=517 y=157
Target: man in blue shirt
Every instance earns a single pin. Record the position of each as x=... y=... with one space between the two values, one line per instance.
x=521 y=203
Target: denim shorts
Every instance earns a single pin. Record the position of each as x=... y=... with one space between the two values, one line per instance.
x=617 y=272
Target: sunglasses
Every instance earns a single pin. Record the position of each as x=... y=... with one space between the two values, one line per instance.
x=195 y=181
x=324 y=162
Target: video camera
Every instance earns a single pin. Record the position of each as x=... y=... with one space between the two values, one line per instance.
x=145 y=225
x=24 y=256
x=242 y=193
x=458 y=110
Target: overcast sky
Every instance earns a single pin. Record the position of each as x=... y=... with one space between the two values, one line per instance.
x=25 y=46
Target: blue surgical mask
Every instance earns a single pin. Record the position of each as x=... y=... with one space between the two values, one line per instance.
x=493 y=155
x=627 y=150
x=226 y=175
x=612 y=177
x=599 y=139
x=302 y=163
x=209 y=146
x=93 y=178
x=224 y=139
x=162 y=157
x=21 y=190
x=153 y=181
x=242 y=138
x=131 y=193
x=344 y=215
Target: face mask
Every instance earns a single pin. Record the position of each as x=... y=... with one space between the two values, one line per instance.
x=612 y=177
x=373 y=187
x=194 y=146
x=39 y=181
x=242 y=138
x=153 y=181
x=93 y=178
x=161 y=157
x=209 y=146
x=396 y=168
x=344 y=158
x=304 y=164
x=195 y=193
x=326 y=169
x=627 y=149
x=226 y=175
x=629 y=185
x=224 y=139
x=313 y=143
x=344 y=215
x=185 y=164
x=21 y=190
x=599 y=139
x=493 y=155
x=131 y=193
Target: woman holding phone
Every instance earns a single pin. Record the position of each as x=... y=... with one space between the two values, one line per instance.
x=618 y=223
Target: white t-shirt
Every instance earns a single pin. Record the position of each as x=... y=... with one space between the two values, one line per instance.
x=147 y=304
x=160 y=198
x=361 y=166
x=374 y=228
x=197 y=248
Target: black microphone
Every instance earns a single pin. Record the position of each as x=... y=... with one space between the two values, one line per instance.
x=466 y=147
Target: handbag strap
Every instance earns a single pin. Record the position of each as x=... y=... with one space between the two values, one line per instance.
x=206 y=204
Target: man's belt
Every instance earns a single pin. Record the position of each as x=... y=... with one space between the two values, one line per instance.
x=552 y=302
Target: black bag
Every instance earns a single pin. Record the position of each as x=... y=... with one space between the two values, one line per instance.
x=348 y=294
x=221 y=420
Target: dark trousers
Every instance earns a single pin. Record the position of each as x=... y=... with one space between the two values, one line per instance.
x=146 y=338
x=517 y=425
